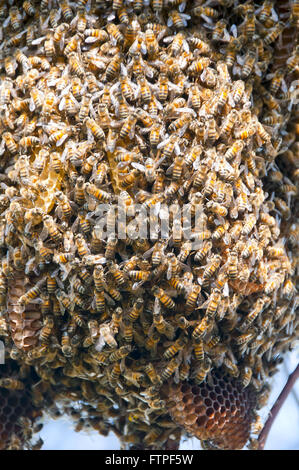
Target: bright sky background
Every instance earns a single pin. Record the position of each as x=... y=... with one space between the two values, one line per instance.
x=284 y=435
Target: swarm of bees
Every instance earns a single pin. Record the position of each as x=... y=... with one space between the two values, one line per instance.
x=135 y=107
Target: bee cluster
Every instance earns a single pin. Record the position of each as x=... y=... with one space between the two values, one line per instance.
x=148 y=104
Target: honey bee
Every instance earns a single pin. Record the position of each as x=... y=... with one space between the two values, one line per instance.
x=203 y=371
x=273 y=34
x=65 y=207
x=198 y=348
x=152 y=374
x=51 y=229
x=32 y=293
x=217 y=208
x=199 y=65
x=157 y=5
x=191 y=298
x=115 y=33
x=76 y=66
x=177 y=19
x=128 y=127
x=96 y=193
x=211 y=267
x=66 y=346
x=249 y=224
x=175 y=347
x=170 y=369
x=293 y=60
x=249 y=62
x=231 y=367
x=128 y=331
x=11 y=384
x=117 y=274
x=288 y=289
x=55 y=161
x=46 y=330
x=145 y=91
x=66 y=10
x=5 y=91
x=81 y=245
x=10 y=143
x=58 y=136
x=219 y=31
x=15 y=18
x=114 y=374
x=249 y=25
x=95 y=129
x=253 y=314
x=274 y=282
x=165 y=300
x=203 y=251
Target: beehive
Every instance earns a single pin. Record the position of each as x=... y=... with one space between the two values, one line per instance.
x=170 y=104
x=220 y=410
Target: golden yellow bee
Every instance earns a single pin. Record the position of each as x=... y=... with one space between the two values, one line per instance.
x=52 y=229
x=164 y=298
x=120 y=353
x=177 y=19
x=122 y=14
x=152 y=374
x=199 y=65
x=145 y=91
x=58 y=136
x=66 y=347
x=128 y=126
x=231 y=367
x=98 y=194
x=117 y=274
x=175 y=347
x=128 y=331
x=217 y=208
x=273 y=33
x=66 y=10
x=15 y=18
x=115 y=33
x=81 y=245
x=47 y=329
x=10 y=143
x=32 y=293
x=170 y=369
x=258 y=308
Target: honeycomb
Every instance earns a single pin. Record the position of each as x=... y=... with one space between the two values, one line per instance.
x=18 y=415
x=25 y=324
x=219 y=410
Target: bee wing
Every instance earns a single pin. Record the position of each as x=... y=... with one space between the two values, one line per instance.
x=138 y=166
x=132 y=131
x=61 y=140
x=182 y=7
x=234 y=31
x=44 y=233
x=62 y=104
x=38 y=40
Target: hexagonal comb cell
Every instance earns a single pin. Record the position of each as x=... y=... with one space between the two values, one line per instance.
x=218 y=410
